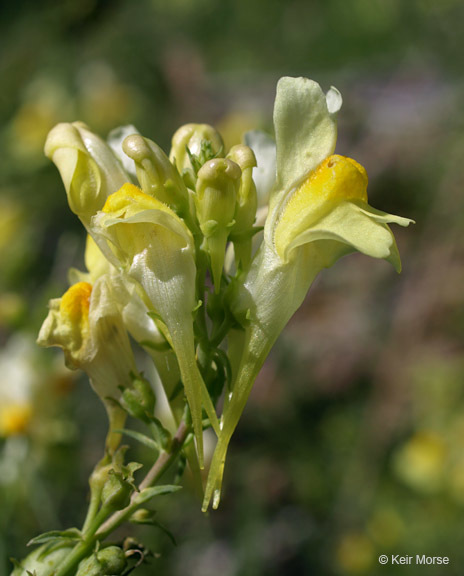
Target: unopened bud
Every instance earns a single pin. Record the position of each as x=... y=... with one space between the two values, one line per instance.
x=216 y=194
x=247 y=203
x=156 y=175
x=89 y=169
x=142 y=516
x=99 y=477
x=139 y=400
x=243 y=156
x=202 y=141
x=110 y=561
x=116 y=492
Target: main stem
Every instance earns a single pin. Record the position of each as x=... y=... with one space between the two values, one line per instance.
x=164 y=461
x=99 y=533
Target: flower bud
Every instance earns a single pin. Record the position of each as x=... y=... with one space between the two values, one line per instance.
x=243 y=156
x=142 y=516
x=155 y=173
x=112 y=560
x=99 y=476
x=116 y=492
x=107 y=562
x=247 y=204
x=139 y=400
x=216 y=194
x=89 y=169
x=202 y=141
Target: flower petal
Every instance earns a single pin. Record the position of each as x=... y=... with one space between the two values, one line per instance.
x=352 y=226
x=264 y=174
x=156 y=249
x=305 y=128
x=115 y=140
x=88 y=168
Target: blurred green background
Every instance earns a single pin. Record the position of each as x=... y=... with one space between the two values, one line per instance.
x=352 y=444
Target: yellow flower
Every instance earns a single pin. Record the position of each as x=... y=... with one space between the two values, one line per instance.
x=421 y=461
x=318 y=212
x=87 y=324
x=15 y=419
x=155 y=248
x=355 y=554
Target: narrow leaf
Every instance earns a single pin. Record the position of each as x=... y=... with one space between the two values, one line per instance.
x=153 y=491
x=145 y=440
x=71 y=534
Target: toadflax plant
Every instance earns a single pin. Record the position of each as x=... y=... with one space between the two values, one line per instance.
x=201 y=258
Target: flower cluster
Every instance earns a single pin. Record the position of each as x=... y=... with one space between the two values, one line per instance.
x=204 y=255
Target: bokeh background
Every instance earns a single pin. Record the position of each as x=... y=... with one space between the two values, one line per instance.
x=352 y=444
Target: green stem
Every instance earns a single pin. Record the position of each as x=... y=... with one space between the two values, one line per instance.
x=200 y=319
x=98 y=528
x=164 y=461
x=71 y=562
x=92 y=511
x=95 y=496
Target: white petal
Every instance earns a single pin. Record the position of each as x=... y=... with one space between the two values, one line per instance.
x=264 y=175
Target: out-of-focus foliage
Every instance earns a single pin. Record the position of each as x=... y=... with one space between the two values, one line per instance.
x=353 y=443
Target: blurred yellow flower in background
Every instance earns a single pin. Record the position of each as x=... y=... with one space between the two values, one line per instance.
x=11 y=217
x=355 y=553
x=421 y=461
x=18 y=379
x=45 y=102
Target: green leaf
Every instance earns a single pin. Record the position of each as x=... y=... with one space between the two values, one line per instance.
x=152 y=491
x=133 y=467
x=146 y=517
x=145 y=440
x=69 y=535
x=161 y=435
x=54 y=545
